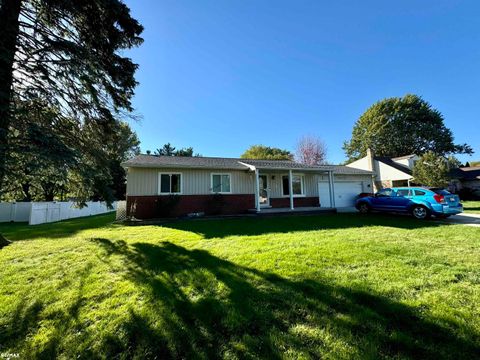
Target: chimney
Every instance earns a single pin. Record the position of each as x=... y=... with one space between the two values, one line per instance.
x=370 y=159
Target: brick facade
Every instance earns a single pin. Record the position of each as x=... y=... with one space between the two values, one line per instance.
x=379 y=185
x=148 y=207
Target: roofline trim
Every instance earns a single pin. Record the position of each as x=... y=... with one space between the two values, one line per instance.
x=163 y=166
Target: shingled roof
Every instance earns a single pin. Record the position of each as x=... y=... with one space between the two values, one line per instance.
x=466 y=173
x=153 y=161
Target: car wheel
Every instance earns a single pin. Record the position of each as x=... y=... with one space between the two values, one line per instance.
x=364 y=208
x=420 y=212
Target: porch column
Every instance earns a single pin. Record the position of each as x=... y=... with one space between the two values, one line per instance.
x=332 y=188
x=257 y=190
x=290 y=188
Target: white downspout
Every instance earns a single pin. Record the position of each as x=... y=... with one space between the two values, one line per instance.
x=257 y=190
x=290 y=188
x=332 y=189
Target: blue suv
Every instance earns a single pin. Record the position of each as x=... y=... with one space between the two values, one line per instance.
x=418 y=201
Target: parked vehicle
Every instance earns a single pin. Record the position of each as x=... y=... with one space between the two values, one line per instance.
x=418 y=201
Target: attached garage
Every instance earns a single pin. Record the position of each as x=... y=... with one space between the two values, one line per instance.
x=345 y=193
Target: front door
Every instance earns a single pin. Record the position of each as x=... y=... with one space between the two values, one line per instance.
x=263 y=190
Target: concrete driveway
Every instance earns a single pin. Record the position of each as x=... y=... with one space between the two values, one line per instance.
x=465 y=219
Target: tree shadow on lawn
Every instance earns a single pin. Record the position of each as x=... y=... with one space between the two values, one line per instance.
x=215 y=228
x=197 y=305
x=28 y=318
x=65 y=228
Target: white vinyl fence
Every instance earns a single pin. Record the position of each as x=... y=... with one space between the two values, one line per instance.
x=13 y=211
x=45 y=212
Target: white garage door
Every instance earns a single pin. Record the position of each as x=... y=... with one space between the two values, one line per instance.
x=346 y=193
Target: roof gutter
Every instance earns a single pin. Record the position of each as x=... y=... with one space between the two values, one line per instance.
x=251 y=167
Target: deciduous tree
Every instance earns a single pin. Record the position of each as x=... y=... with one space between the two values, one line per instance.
x=311 y=150
x=266 y=153
x=51 y=156
x=401 y=126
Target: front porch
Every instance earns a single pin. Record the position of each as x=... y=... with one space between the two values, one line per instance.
x=298 y=189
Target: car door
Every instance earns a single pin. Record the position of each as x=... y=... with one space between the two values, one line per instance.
x=382 y=200
x=402 y=200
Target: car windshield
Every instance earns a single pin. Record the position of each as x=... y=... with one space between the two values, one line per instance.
x=440 y=191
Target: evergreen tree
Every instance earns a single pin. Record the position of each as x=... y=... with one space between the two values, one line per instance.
x=67 y=52
x=169 y=150
x=431 y=170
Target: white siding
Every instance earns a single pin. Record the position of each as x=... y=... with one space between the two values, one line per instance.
x=386 y=172
x=360 y=164
x=144 y=181
x=311 y=182
x=383 y=171
x=409 y=162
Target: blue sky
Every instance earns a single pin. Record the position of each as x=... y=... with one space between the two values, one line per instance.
x=223 y=75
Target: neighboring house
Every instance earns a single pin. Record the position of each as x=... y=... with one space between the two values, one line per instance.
x=232 y=186
x=465 y=178
x=389 y=172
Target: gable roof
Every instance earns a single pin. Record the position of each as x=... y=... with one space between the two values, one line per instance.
x=184 y=162
x=404 y=157
x=390 y=162
x=466 y=173
x=154 y=161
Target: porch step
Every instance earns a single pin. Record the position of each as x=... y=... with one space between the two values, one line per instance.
x=296 y=211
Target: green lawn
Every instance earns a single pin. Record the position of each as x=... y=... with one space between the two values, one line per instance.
x=333 y=286
x=471 y=207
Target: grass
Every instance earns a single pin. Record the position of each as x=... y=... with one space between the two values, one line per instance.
x=332 y=286
x=471 y=207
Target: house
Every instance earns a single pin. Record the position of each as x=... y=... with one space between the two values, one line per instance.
x=466 y=179
x=389 y=172
x=159 y=186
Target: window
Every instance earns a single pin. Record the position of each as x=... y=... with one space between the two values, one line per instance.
x=170 y=183
x=297 y=185
x=221 y=183
x=419 y=193
x=403 y=192
x=440 y=191
x=384 y=193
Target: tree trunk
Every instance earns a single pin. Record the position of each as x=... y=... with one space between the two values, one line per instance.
x=26 y=191
x=3 y=241
x=9 y=29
